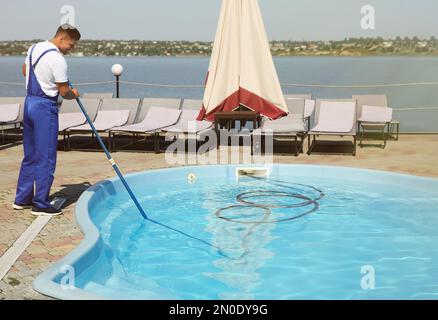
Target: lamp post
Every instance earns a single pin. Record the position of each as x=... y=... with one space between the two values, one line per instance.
x=117 y=71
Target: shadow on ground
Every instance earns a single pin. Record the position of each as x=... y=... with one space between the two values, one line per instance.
x=10 y=139
x=71 y=192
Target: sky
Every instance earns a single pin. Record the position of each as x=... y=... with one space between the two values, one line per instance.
x=197 y=19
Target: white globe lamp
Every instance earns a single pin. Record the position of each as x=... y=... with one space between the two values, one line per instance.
x=117 y=71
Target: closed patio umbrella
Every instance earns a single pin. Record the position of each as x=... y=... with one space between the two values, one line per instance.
x=241 y=70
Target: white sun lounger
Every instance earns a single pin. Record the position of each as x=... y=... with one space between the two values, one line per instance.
x=375 y=116
x=372 y=114
x=334 y=117
x=70 y=115
x=91 y=105
x=106 y=120
x=8 y=115
x=188 y=127
x=156 y=118
x=70 y=120
x=112 y=113
x=14 y=101
x=309 y=106
x=16 y=123
x=290 y=127
x=376 y=100
x=147 y=103
x=188 y=124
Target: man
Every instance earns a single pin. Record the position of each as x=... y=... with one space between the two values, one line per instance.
x=45 y=69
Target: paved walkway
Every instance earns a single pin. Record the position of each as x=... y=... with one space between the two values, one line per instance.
x=77 y=170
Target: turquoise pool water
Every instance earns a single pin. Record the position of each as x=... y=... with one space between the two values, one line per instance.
x=309 y=232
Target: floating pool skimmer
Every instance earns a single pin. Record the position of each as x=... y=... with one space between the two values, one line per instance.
x=191 y=178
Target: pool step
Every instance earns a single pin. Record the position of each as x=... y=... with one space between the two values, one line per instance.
x=120 y=289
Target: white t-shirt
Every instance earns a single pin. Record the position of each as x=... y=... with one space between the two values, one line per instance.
x=51 y=69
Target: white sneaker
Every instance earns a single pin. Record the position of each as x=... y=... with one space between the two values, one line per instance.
x=20 y=207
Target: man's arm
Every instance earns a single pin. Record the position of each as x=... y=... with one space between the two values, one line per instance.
x=23 y=69
x=66 y=92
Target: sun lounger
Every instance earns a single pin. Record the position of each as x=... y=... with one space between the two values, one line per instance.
x=106 y=120
x=376 y=100
x=112 y=113
x=188 y=127
x=147 y=103
x=291 y=127
x=375 y=114
x=188 y=124
x=70 y=115
x=156 y=118
x=14 y=101
x=309 y=107
x=70 y=120
x=334 y=118
x=132 y=105
x=91 y=105
x=375 y=117
x=8 y=115
x=8 y=110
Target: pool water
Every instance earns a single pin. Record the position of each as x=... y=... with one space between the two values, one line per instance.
x=304 y=232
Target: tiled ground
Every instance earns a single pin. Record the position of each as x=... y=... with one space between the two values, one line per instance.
x=77 y=170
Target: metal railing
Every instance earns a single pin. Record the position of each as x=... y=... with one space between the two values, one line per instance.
x=402 y=111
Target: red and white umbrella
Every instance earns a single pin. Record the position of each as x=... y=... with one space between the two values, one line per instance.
x=241 y=70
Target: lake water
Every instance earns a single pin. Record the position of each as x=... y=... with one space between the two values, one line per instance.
x=300 y=70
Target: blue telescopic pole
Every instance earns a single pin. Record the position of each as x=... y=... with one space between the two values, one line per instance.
x=110 y=158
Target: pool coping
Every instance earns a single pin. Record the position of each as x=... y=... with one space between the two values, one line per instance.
x=45 y=284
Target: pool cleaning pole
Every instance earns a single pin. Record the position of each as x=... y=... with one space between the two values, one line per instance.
x=110 y=158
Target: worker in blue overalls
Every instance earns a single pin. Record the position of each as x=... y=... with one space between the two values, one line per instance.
x=45 y=69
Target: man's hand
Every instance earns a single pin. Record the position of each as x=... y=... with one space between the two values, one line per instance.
x=76 y=93
x=66 y=92
x=23 y=69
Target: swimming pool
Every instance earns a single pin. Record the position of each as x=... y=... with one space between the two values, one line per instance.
x=301 y=232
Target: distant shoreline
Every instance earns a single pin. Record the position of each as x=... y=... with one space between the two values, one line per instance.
x=350 y=47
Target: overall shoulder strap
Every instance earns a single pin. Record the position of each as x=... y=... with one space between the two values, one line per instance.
x=42 y=55
x=31 y=53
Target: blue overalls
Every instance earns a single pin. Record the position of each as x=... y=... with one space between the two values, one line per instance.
x=40 y=142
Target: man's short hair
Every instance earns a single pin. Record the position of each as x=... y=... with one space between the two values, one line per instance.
x=70 y=30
